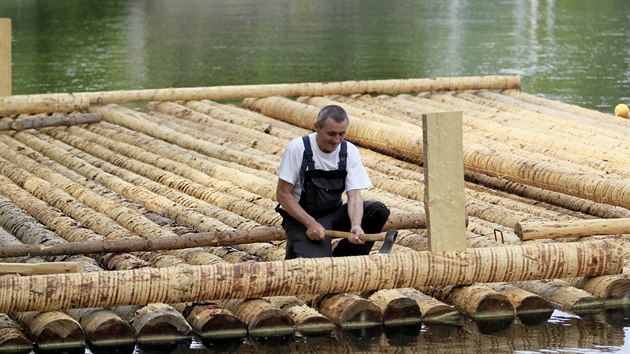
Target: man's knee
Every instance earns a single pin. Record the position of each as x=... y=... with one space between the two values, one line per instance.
x=375 y=215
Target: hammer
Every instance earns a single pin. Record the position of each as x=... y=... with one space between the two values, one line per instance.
x=387 y=237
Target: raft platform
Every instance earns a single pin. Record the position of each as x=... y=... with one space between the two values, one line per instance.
x=94 y=166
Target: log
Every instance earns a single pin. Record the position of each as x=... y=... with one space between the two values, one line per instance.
x=433 y=310
x=52 y=330
x=350 y=311
x=564 y=296
x=40 y=268
x=263 y=318
x=308 y=321
x=104 y=328
x=530 y=308
x=12 y=337
x=614 y=290
x=210 y=321
x=397 y=308
x=50 y=121
x=532 y=230
x=66 y=102
x=156 y=324
x=478 y=301
x=293 y=277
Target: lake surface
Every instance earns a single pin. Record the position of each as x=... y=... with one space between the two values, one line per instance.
x=577 y=52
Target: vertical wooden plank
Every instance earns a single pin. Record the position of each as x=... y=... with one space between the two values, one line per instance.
x=444 y=198
x=5 y=57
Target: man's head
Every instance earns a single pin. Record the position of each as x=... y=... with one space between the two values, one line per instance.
x=330 y=126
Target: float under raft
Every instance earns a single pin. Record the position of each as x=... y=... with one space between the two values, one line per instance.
x=83 y=167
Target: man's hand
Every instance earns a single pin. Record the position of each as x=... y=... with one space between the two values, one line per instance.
x=355 y=235
x=315 y=232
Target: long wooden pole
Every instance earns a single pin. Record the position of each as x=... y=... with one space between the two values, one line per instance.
x=200 y=239
x=63 y=102
x=5 y=57
x=309 y=276
x=530 y=230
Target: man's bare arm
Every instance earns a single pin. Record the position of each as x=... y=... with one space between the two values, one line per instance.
x=355 y=212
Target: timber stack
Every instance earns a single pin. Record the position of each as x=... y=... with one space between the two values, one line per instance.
x=165 y=214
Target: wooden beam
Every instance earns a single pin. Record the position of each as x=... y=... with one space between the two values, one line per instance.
x=531 y=230
x=60 y=102
x=5 y=57
x=444 y=197
x=40 y=268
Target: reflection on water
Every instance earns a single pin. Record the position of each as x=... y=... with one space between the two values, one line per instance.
x=602 y=332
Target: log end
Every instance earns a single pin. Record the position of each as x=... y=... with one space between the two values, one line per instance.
x=158 y=327
x=221 y=326
x=534 y=310
x=354 y=312
x=14 y=341
x=494 y=307
x=402 y=311
x=111 y=331
x=272 y=322
x=60 y=335
x=314 y=326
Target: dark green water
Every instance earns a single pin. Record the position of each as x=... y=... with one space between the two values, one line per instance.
x=572 y=51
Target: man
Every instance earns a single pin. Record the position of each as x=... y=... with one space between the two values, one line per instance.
x=314 y=172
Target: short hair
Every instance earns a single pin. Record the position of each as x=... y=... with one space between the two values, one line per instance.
x=331 y=111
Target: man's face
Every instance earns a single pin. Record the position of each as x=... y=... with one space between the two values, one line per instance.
x=330 y=135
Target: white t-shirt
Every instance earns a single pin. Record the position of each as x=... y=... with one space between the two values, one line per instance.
x=291 y=164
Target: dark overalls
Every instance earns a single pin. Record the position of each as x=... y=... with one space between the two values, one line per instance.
x=321 y=198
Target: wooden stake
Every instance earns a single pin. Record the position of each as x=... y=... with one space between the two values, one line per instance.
x=5 y=57
x=444 y=197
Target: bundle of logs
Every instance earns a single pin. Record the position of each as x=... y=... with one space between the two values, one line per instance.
x=169 y=213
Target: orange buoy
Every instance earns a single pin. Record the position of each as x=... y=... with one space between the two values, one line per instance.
x=621 y=110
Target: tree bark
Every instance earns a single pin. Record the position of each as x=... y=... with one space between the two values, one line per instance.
x=334 y=275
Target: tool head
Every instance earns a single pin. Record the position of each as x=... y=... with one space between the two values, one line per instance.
x=388 y=241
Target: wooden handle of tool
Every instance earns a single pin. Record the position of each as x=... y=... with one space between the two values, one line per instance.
x=40 y=268
x=365 y=237
x=578 y=228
